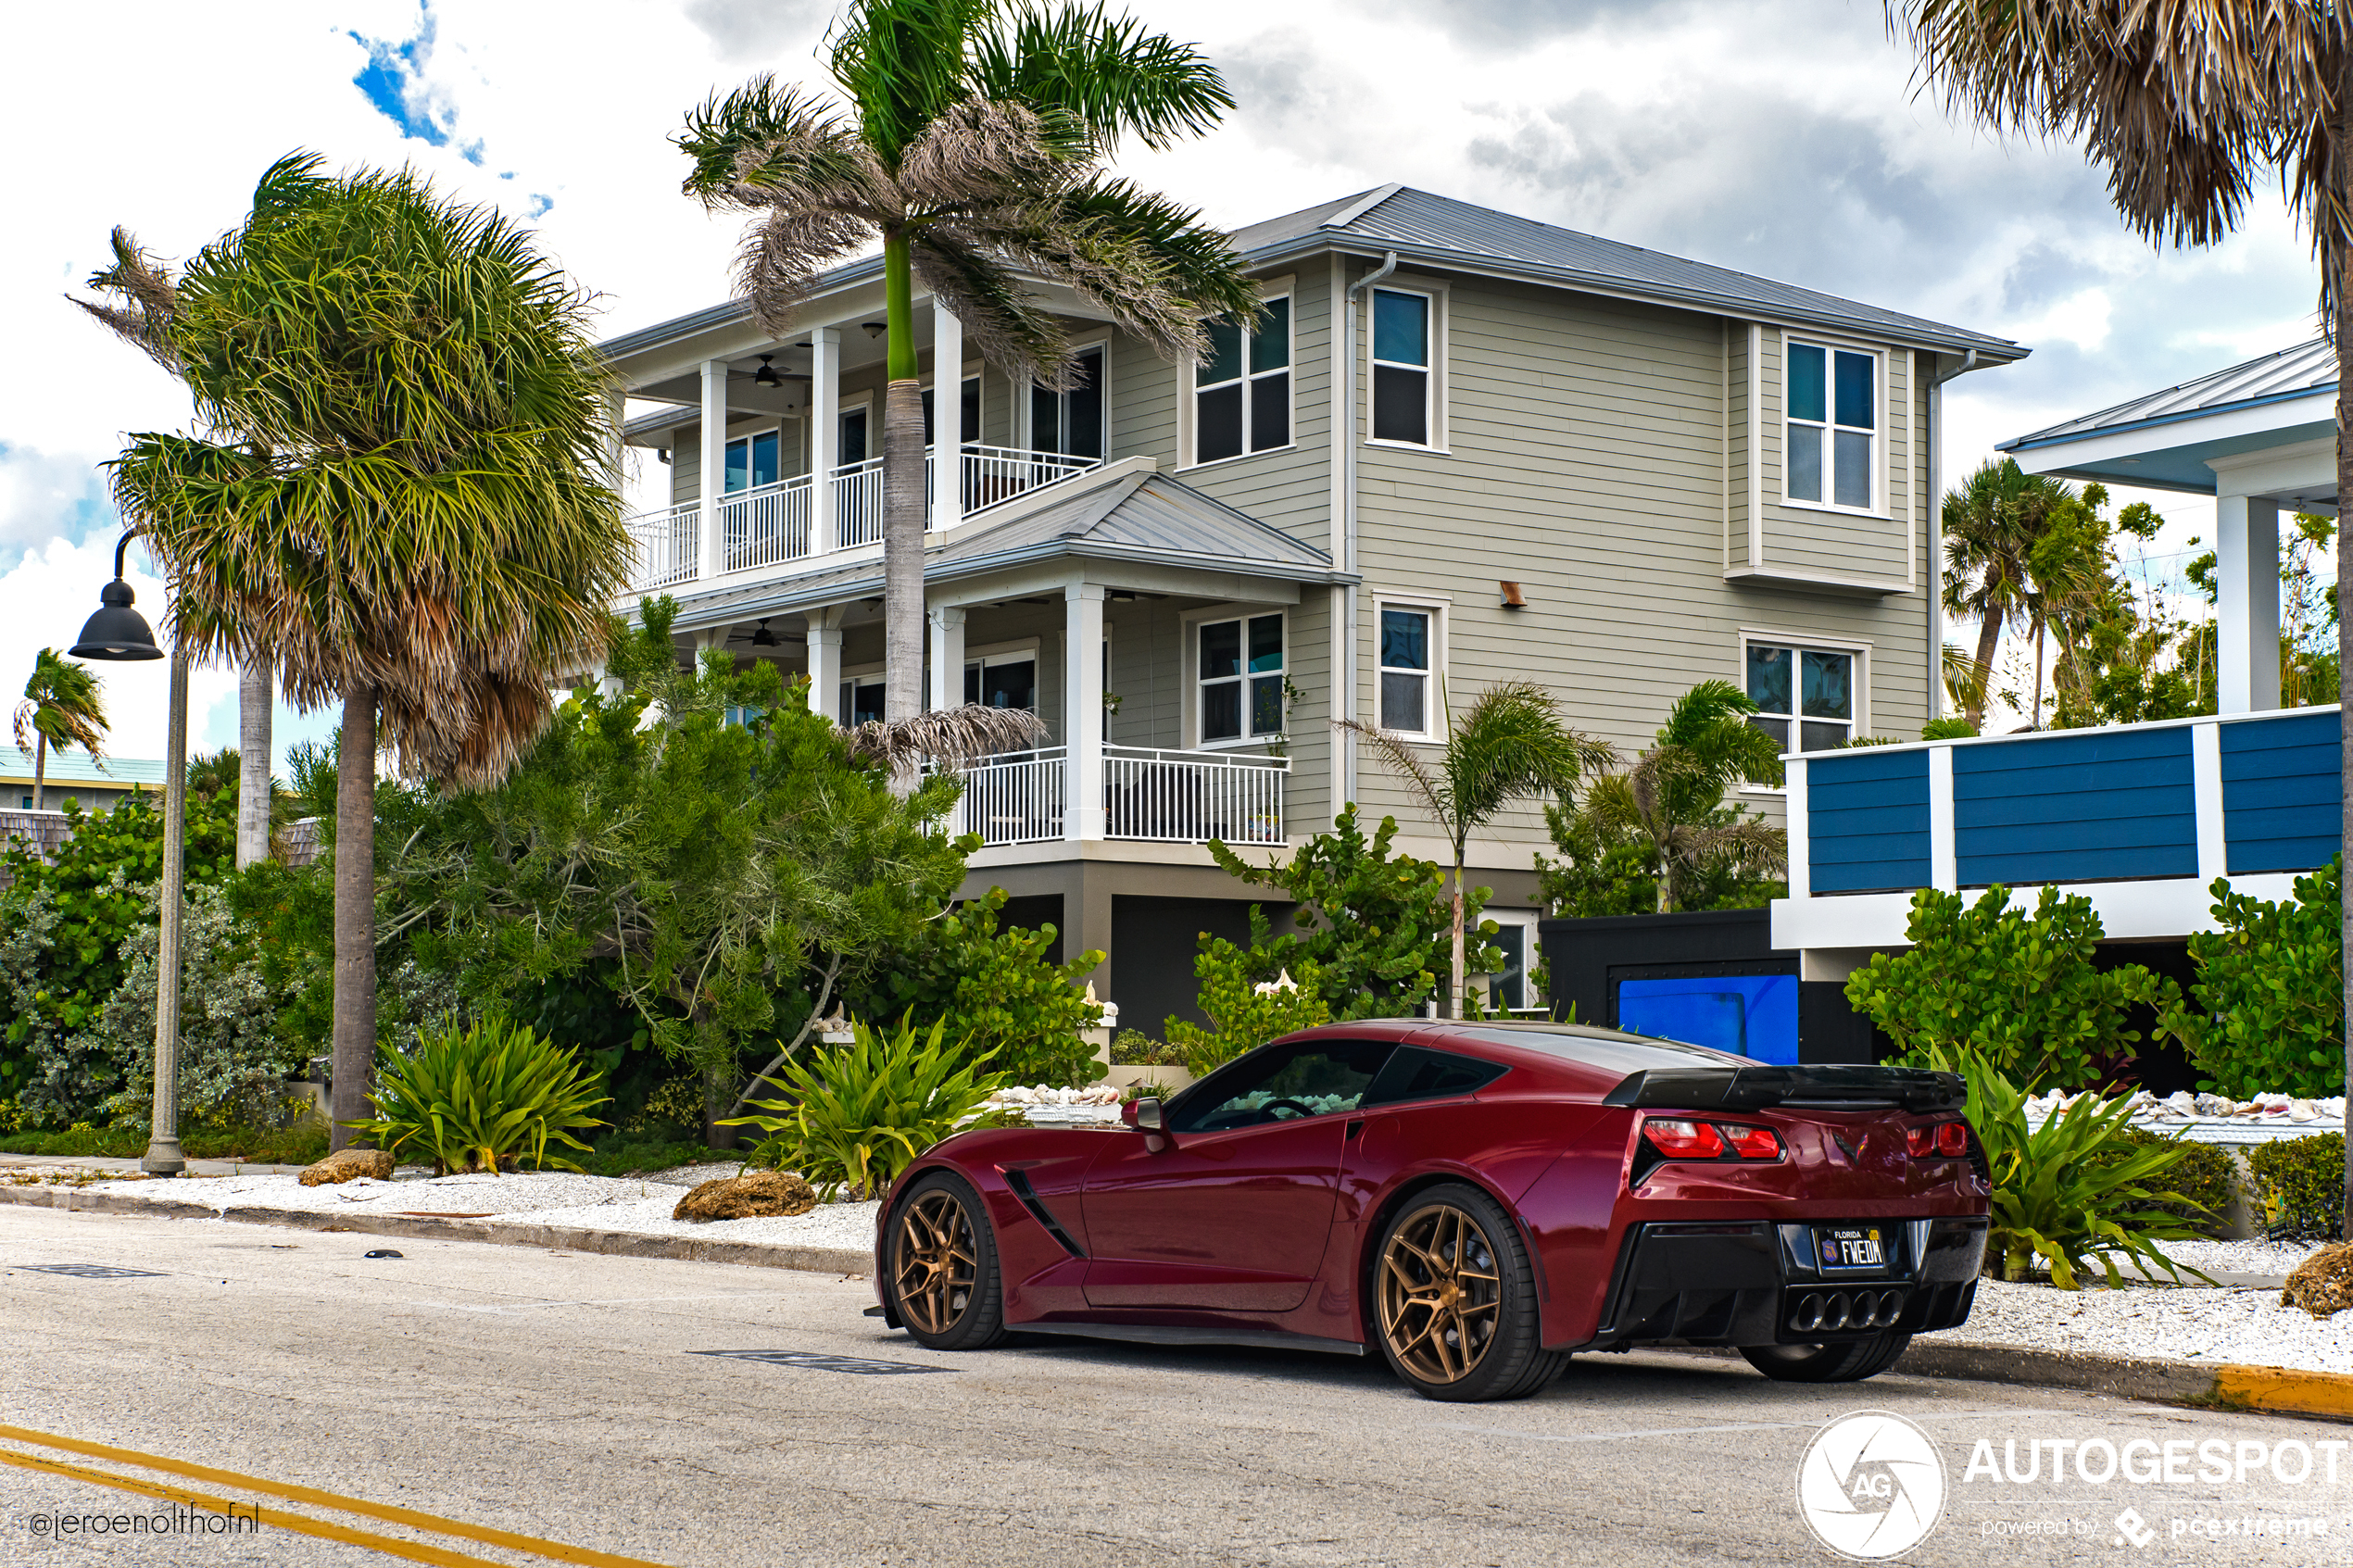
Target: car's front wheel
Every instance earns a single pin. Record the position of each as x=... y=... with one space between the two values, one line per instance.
x=942 y=1264
x=1845 y=1361
x=1455 y=1300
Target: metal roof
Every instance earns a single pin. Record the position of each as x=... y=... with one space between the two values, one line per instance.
x=1436 y=230
x=2300 y=371
x=75 y=766
x=1126 y=517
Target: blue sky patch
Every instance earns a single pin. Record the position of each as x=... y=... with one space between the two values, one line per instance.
x=539 y=205
x=390 y=81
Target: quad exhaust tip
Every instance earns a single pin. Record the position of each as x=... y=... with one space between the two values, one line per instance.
x=1840 y=1311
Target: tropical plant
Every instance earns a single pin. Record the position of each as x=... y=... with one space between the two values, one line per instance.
x=855 y=1116
x=2074 y=1189
x=2022 y=991
x=969 y=138
x=489 y=1095
x=2208 y=1175
x=2187 y=105
x=1378 y=925
x=404 y=494
x=2294 y=1183
x=1244 y=1012
x=61 y=707
x=1510 y=744
x=2269 y=1013
x=1991 y=522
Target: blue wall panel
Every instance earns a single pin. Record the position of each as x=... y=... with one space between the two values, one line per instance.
x=1867 y=820
x=2094 y=806
x=1750 y=1015
x=2283 y=797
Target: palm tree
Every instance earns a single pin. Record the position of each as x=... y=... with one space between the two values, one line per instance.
x=61 y=707
x=969 y=140
x=404 y=494
x=1511 y=744
x=1991 y=523
x=1673 y=795
x=2187 y=105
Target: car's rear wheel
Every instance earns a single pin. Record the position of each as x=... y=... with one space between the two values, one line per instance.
x=942 y=1264
x=1845 y=1361
x=1455 y=1300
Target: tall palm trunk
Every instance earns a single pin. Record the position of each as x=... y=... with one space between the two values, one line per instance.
x=2036 y=723
x=2344 y=260
x=256 y=684
x=355 y=1026
x=904 y=502
x=1988 y=638
x=1461 y=981
x=40 y=771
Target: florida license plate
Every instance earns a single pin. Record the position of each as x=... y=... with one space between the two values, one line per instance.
x=1850 y=1248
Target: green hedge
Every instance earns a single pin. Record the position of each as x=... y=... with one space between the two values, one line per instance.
x=2298 y=1189
x=269 y=1146
x=2206 y=1174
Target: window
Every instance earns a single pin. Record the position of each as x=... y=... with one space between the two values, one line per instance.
x=968 y=413
x=1071 y=422
x=1833 y=422
x=1002 y=681
x=1418 y=1073
x=1813 y=688
x=1241 y=388
x=853 y=437
x=1405 y=639
x=751 y=462
x=1241 y=678
x=1281 y=1084
x=1401 y=367
x=861 y=701
x=1507 y=986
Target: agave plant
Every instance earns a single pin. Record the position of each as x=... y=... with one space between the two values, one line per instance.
x=858 y=1115
x=2075 y=1190
x=492 y=1096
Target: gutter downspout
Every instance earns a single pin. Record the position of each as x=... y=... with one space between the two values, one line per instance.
x=1936 y=533
x=1344 y=555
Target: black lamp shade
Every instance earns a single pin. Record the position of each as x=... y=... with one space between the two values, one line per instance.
x=117 y=631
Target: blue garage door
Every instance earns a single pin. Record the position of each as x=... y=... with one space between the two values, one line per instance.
x=1750 y=1015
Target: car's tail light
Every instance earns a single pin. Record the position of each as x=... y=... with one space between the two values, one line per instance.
x=1942 y=1140
x=1752 y=1143
x=1683 y=1140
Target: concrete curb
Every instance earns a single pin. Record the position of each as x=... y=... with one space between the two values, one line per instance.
x=505 y=1233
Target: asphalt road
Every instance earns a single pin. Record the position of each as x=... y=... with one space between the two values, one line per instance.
x=563 y=1398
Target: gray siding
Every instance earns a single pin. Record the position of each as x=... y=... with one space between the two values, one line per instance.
x=1831 y=544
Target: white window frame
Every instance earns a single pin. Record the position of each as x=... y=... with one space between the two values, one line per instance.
x=1831 y=347
x=1098 y=342
x=1530 y=954
x=745 y=438
x=1435 y=380
x=1188 y=404
x=1030 y=648
x=1434 y=729
x=1191 y=622
x=849 y=682
x=1860 y=650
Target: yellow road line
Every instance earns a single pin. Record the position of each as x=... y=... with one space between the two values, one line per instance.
x=333 y=1501
x=414 y=1551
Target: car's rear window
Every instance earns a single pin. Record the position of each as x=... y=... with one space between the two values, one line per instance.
x=1612 y=1053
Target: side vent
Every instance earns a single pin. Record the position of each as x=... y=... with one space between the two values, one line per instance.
x=1019 y=1182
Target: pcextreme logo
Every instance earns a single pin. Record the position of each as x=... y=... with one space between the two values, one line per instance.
x=1871 y=1485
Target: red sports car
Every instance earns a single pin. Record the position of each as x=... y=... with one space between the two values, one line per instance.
x=1478 y=1200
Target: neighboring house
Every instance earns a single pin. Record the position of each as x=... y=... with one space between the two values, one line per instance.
x=1459 y=447
x=72 y=774
x=2141 y=818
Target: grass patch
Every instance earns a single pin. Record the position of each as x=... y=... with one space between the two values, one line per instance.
x=270 y=1145
x=642 y=1151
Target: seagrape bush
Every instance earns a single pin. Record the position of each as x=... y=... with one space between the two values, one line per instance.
x=2268 y=1014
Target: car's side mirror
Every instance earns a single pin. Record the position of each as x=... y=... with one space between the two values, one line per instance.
x=1144 y=1113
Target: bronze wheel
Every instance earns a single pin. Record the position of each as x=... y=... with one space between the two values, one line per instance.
x=943 y=1266
x=1440 y=1292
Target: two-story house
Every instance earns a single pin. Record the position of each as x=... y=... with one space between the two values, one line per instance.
x=1458 y=447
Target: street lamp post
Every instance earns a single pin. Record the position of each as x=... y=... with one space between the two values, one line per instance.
x=119 y=634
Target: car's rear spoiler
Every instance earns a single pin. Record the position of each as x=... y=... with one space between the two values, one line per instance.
x=1824 y=1087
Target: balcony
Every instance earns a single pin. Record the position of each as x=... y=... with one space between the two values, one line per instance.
x=1149 y=796
x=778 y=526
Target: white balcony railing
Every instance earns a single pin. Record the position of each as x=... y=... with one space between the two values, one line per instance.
x=775 y=525
x=1165 y=797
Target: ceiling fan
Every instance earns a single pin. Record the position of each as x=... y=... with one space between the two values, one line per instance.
x=761 y=637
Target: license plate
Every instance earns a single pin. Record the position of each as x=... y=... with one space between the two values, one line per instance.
x=1845 y=1249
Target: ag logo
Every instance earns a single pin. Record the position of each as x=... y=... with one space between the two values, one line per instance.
x=1871 y=1485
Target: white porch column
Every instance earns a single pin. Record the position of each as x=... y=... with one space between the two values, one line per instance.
x=824 y=433
x=2247 y=617
x=825 y=661
x=714 y=464
x=947 y=417
x=1083 y=709
x=1800 y=852
x=947 y=656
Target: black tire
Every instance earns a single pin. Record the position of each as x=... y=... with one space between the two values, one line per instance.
x=1843 y=1361
x=940 y=1266
x=1448 y=1246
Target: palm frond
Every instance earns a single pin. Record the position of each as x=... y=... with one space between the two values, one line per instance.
x=903 y=63
x=953 y=737
x=1001 y=322
x=149 y=300
x=983 y=152
x=1512 y=741
x=1406 y=757
x=1107 y=72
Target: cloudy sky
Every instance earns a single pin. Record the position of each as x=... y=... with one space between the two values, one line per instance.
x=1777 y=136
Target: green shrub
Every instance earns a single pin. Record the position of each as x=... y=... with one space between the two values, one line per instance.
x=2206 y=1174
x=2076 y=1189
x=2299 y=1187
x=300 y=1145
x=1133 y=1047
x=2269 y=996
x=855 y=1116
x=479 y=1097
x=626 y=1155
x=1244 y=1012
x=2019 y=989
